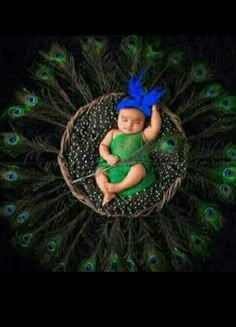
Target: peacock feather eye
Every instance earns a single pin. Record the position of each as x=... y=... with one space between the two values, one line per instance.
x=24 y=216
x=45 y=75
x=27 y=238
x=131 y=264
x=51 y=246
x=59 y=57
x=44 y=72
x=224 y=188
x=61 y=267
x=9 y=210
x=89 y=267
x=57 y=54
x=211 y=93
x=100 y=41
x=225 y=103
x=228 y=172
x=12 y=139
x=32 y=100
x=232 y=154
x=171 y=142
x=12 y=176
x=153 y=52
x=209 y=212
x=176 y=57
x=114 y=266
x=132 y=40
x=15 y=111
x=229 y=175
x=153 y=260
x=200 y=72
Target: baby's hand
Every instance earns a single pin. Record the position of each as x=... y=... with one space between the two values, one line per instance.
x=112 y=160
x=155 y=108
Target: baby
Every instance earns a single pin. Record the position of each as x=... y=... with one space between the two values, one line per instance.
x=129 y=136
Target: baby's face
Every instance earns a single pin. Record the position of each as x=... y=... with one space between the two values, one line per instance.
x=131 y=121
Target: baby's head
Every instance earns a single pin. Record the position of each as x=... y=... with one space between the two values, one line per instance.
x=134 y=109
x=131 y=120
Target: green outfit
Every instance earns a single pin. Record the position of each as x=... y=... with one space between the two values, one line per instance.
x=123 y=146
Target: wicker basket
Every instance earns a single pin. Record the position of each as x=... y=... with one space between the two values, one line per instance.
x=65 y=144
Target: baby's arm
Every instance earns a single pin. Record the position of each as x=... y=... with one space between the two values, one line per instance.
x=151 y=132
x=104 y=149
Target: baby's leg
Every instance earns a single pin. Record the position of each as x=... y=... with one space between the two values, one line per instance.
x=136 y=174
x=101 y=180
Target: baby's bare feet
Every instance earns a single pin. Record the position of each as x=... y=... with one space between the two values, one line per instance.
x=107 y=198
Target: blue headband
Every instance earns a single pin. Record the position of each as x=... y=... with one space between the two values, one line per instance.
x=140 y=99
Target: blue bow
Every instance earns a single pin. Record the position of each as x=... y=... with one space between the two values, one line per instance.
x=140 y=99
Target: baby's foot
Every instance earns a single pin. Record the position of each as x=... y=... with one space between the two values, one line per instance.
x=103 y=187
x=107 y=198
x=113 y=188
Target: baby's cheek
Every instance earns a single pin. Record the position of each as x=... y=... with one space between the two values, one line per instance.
x=142 y=126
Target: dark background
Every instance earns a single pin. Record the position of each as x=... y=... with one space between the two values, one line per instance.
x=17 y=54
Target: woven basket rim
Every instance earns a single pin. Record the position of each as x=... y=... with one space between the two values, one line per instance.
x=65 y=143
